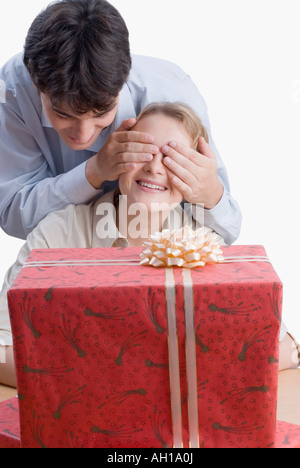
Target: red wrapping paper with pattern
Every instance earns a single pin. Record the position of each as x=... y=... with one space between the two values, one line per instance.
x=9 y=424
x=287 y=435
x=91 y=346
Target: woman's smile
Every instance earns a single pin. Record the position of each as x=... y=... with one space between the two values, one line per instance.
x=150 y=186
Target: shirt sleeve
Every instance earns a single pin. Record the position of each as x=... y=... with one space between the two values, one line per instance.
x=225 y=218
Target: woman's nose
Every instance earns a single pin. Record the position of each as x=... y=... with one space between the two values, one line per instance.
x=156 y=165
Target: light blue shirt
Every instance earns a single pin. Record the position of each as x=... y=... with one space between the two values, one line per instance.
x=40 y=173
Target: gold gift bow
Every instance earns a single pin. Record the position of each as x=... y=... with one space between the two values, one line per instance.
x=187 y=248
x=174 y=367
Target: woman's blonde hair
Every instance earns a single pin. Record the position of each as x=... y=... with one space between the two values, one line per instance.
x=180 y=111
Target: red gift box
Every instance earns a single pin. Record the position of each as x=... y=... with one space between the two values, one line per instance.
x=9 y=424
x=287 y=435
x=91 y=332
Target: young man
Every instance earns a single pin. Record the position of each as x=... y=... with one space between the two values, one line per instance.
x=63 y=133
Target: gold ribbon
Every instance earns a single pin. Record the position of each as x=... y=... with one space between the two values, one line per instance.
x=174 y=369
x=190 y=355
x=68 y=263
x=191 y=362
x=130 y=262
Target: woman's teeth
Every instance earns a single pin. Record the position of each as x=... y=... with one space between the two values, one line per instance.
x=152 y=186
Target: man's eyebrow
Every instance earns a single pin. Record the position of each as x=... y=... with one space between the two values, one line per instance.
x=57 y=111
x=60 y=112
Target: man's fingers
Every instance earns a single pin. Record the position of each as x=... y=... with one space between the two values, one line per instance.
x=205 y=149
x=135 y=147
x=132 y=136
x=180 y=185
x=125 y=167
x=183 y=154
x=176 y=156
x=182 y=173
x=133 y=157
x=126 y=125
x=123 y=133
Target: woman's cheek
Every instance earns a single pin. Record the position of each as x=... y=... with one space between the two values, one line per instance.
x=176 y=195
x=124 y=183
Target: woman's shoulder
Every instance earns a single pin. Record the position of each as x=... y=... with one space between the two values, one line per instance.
x=67 y=227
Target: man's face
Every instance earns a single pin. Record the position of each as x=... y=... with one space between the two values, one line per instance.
x=79 y=131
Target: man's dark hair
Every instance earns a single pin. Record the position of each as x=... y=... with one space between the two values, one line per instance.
x=77 y=52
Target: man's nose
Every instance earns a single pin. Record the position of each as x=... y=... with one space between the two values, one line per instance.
x=84 y=130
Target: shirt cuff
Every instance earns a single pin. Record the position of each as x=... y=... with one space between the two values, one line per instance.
x=76 y=186
x=217 y=212
x=222 y=219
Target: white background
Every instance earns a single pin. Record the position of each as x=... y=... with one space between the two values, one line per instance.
x=244 y=57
